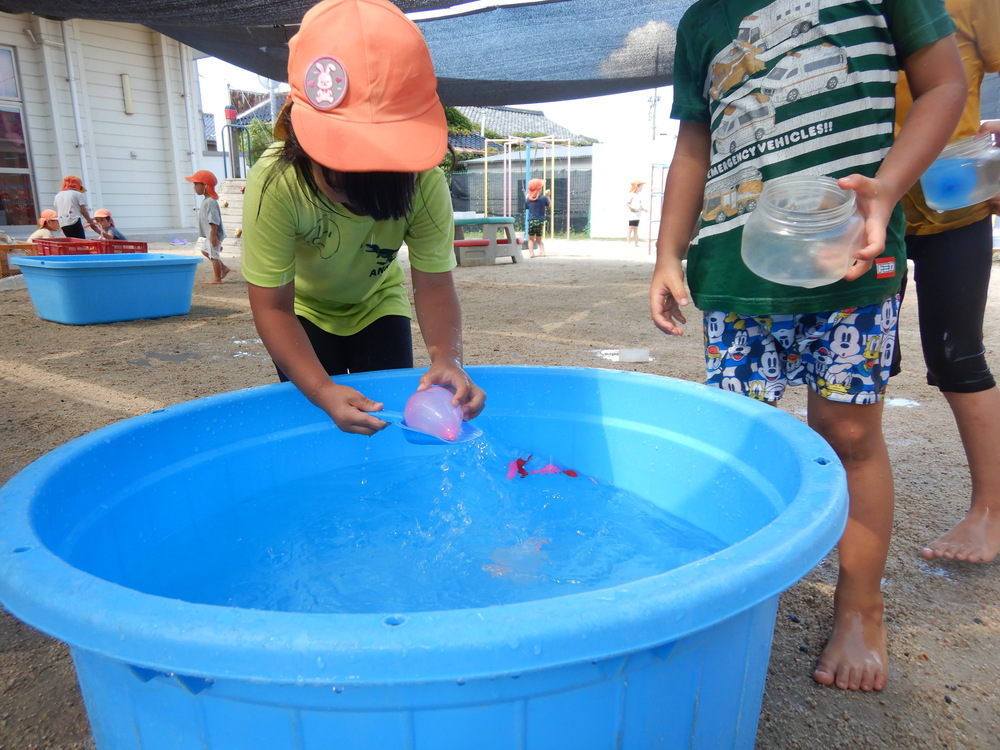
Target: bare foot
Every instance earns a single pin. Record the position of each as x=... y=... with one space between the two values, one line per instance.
x=856 y=656
x=213 y=281
x=974 y=539
x=225 y=273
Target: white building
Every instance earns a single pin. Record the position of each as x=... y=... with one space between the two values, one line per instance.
x=115 y=104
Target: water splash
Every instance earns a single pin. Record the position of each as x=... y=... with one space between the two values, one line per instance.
x=419 y=534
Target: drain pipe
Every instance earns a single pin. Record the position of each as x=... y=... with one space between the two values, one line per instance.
x=75 y=103
x=194 y=128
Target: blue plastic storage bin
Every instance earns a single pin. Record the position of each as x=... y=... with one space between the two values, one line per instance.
x=84 y=289
x=675 y=660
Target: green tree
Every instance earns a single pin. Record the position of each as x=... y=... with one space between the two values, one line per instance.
x=261 y=136
x=459 y=123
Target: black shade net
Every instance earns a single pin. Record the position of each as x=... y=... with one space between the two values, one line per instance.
x=485 y=53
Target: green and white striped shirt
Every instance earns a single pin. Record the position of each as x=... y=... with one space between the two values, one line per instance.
x=791 y=87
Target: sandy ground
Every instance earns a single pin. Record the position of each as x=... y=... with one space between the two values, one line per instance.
x=59 y=382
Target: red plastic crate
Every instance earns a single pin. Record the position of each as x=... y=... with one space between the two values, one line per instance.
x=70 y=246
x=124 y=246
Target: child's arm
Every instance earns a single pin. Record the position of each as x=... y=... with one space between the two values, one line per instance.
x=286 y=341
x=683 y=198
x=439 y=315
x=937 y=80
x=90 y=222
x=214 y=235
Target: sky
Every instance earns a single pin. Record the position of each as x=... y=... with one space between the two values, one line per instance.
x=613 y=118
x=617 y=118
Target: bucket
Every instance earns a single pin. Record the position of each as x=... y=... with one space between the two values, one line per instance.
x=675 y=659
x=87 y=289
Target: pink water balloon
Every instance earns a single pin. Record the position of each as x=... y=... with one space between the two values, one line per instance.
x=431 y=411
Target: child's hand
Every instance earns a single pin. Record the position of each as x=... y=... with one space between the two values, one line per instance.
x=348 y=409
x=667 y=296
x=875 y=207
x=449 y=374
x=992 y=126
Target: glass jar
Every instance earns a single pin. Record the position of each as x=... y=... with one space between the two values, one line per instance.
x=804 y=231
x=966 y=173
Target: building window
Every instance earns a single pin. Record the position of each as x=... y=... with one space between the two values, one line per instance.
x=208 y=121
x=17 y=202
x=8 y=76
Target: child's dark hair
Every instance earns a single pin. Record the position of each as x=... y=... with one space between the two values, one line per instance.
x=381 y=195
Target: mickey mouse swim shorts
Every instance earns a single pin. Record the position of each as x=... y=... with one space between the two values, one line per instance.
x=843 y=355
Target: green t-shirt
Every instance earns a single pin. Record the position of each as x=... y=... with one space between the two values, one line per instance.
x=343 y=265
x=791 y=87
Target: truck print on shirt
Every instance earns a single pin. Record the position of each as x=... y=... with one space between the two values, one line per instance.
x=806 y=72
x=732 y=195
x=746 y=120
x=779 y=57
x=734 y=68
x=779 y=21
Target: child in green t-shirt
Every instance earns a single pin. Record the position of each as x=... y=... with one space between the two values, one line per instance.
x=352 y=179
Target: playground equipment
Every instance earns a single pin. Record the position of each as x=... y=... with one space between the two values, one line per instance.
x=657 y=178
x=544 y=148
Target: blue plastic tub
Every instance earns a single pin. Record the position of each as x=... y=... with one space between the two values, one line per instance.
x=673 y=660
x=85 y=289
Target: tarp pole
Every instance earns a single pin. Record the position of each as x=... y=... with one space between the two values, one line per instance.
x=486 y=176
x=527 y=179
x=75 y=105
x=569 y=193
x=551 y=184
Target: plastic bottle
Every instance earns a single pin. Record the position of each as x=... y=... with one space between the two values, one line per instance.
x=804 y=231
x=966 y=173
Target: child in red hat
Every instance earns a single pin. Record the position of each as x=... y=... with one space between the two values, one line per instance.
x=48 y=225
x=106 y=225
x=210 y=222
x=355 y=177
x=71 y=208
x=536 y=203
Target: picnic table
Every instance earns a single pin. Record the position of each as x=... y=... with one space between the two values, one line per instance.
x=499 y=240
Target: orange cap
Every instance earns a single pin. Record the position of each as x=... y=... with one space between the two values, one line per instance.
x=207 y=179
x=102 y=213
x=47 y=215
x=363 y=90
x=72 y=182
x=535 y=187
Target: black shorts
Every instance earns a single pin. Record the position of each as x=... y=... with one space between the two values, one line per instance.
x=536 y=227
x=385 y=344
x=75 y=230
x=633 y=222
x=951 y=273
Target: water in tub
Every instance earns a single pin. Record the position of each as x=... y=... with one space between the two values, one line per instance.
x=468 y=529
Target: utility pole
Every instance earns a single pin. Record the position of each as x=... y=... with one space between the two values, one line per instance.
x=653 y=101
